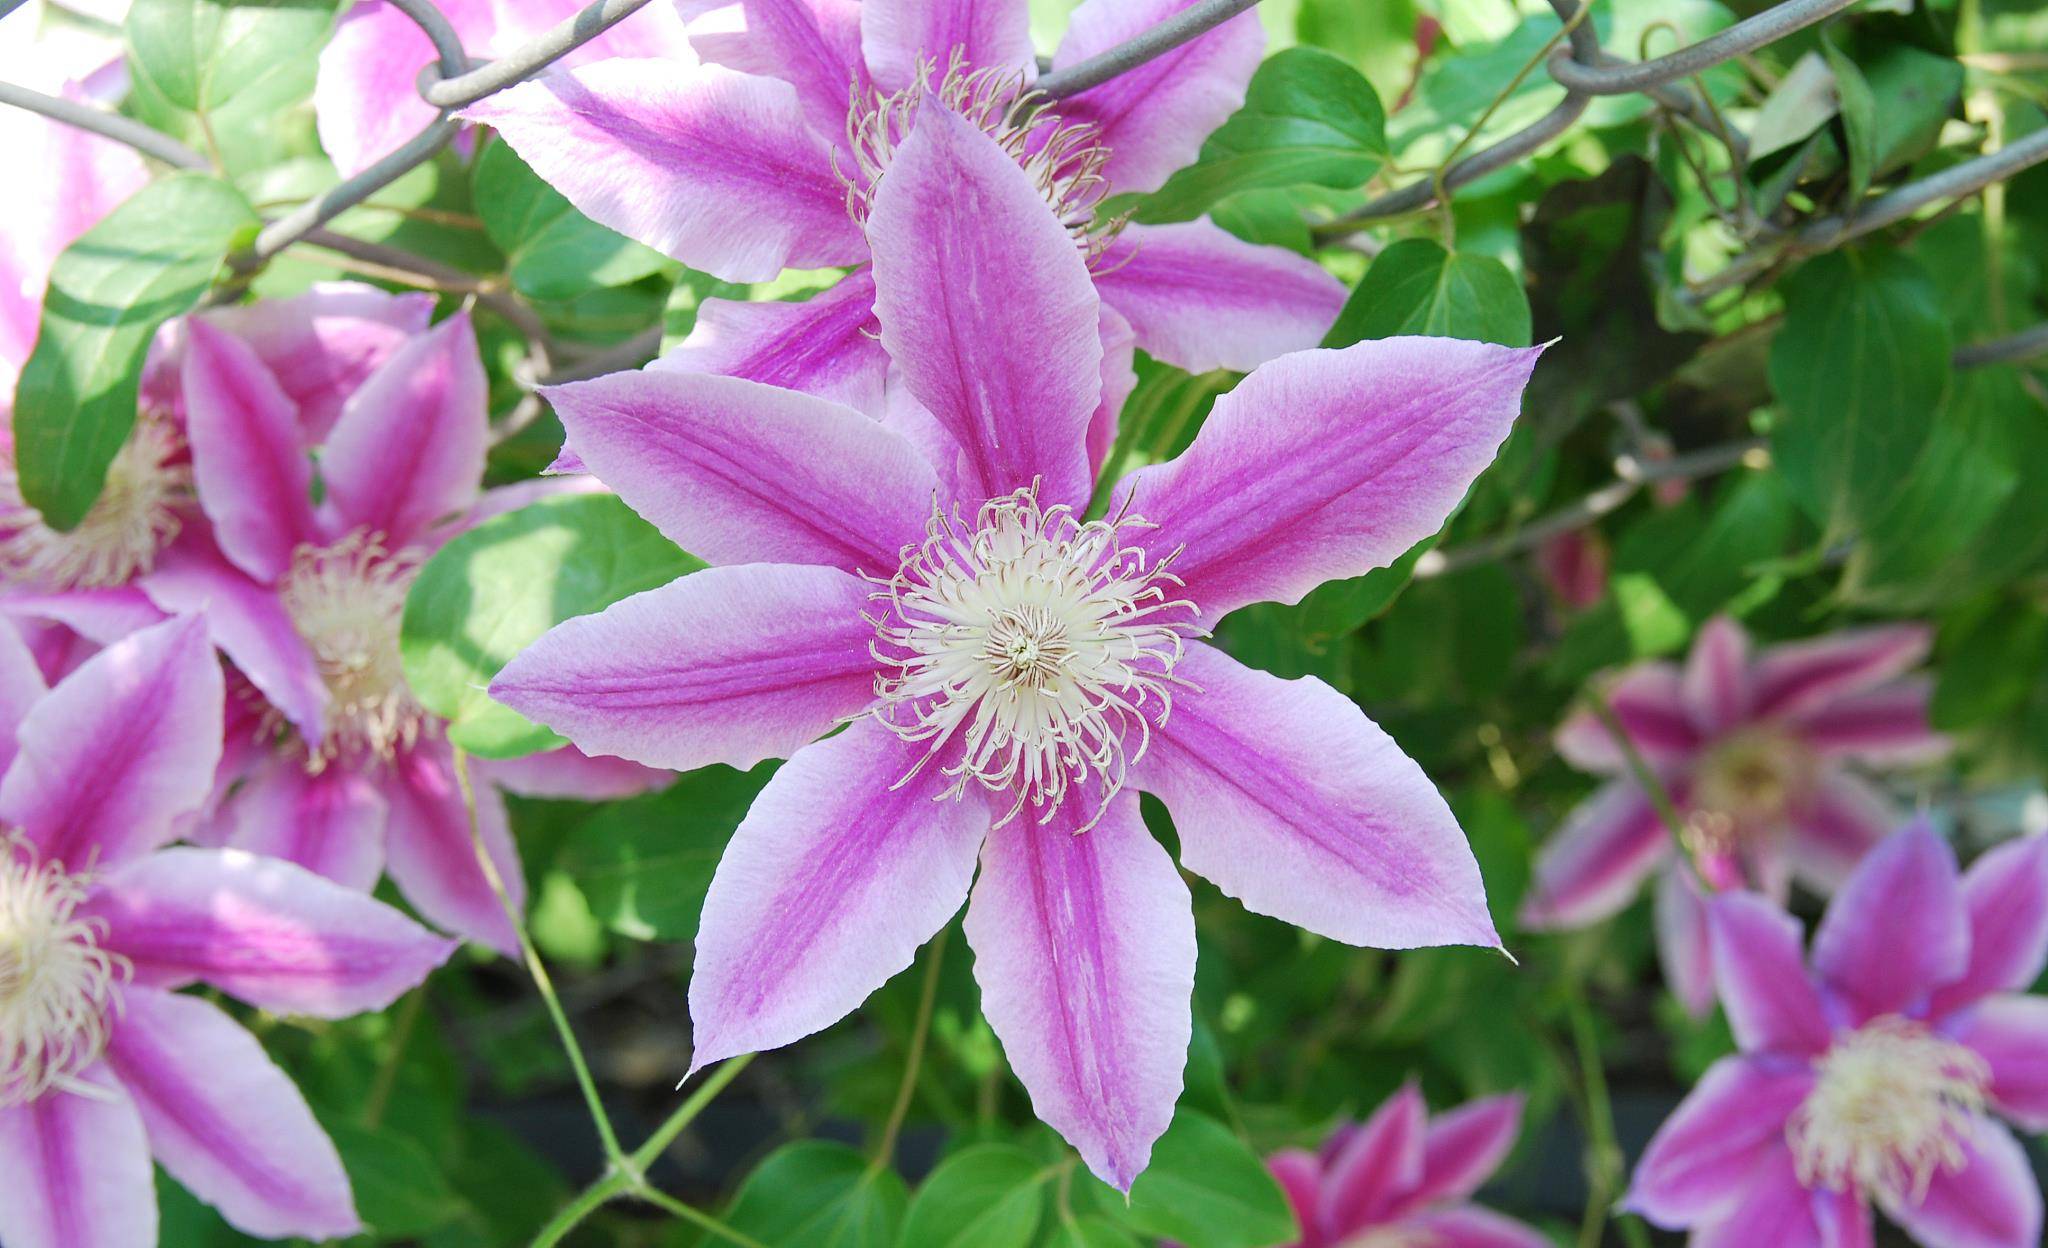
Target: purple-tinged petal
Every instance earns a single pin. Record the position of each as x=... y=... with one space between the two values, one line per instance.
x=1771 y=1004
x=1084 y=947
x=1802 y=676
x=1463 y=1148
x=659 y=30
x=824 y=346
x=1595 y=863
x=2005 y=893
x=1119 y=378
x=897 y=35
x=2010 y=1032
x=226 y=1122
x=323 y=344
x=1153 y=118
x=1649 y=701
x=21 y=687
x=1327 y=464
x=75 y=1171
x=713 y=167
x=1697 y=1164
x=737 y=472
x=813 y=45
x=330 y=822
x=1288 y=798
x=1200 y=298
x=366 y=98
x=408 y=448
x=1471 y=1227
x=248 y=458
x=986 y=307
x=1684 y=944
x=1843 y=1218
x=120 y=749
x=1841 y=822
x=1885 y=727
x=728 y=665
x=1898 y=929
x=568 y=774
x=1993 y=1201
x=1378 y=1165
x=431 y=851
x=1772 y=1207
x=1718 y=690
x=830 y=884
x=262 y=930
x=98 y=616
x=1300 y=1176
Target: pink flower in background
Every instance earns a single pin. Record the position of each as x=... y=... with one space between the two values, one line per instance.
x=1752 y=749
x=1000 y=663
x=1872 y=1078
x=103 y=1064
x=1574 y=567
x=754 y=162
x=1402 y=1178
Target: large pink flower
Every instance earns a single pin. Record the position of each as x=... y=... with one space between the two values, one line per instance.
x=1401 y=1178
x=997 y=661
x=752 y=162
x=1752 y=749
x=103 y=1064
x=1870 y=1079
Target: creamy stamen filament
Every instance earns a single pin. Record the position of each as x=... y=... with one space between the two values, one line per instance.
x=1895 y=1105
x=59 y=991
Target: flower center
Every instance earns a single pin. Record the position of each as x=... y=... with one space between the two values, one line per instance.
x=1065 y=161
x=1037 y=641
x=58 y=988
x=1894 y=1105
x=347 y=601
x=134 y=517
x=1742 y=791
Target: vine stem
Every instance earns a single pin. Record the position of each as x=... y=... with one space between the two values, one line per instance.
x=1607 y=1156
x=885 y=1148
x=1659 y=796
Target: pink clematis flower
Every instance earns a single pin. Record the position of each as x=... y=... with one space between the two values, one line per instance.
x=1401 y=1179
x=757 y=161
x=1871 y=1079
x=1751 y=748
x=103 y=1063
x=1005 y=668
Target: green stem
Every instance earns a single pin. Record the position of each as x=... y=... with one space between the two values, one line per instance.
x=1659 y=796
x=1606 y=1152
x=686 y=1113
x=885 y=1150
x=696 y=1217
x=587 y=1202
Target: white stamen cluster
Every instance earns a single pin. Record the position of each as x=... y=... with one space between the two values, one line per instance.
x=1894 y=1106
x=1065 y=161
x=1029 y=645
x=347 y=601
x=59 y=990
x=134 y=517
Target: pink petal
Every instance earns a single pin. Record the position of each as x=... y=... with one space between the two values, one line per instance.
x=1684 y=943
x=119 y=750
x=714 y=167
x=896 y=35
x=1288 y=798
x=431 y=851
x=1697 y=1164
x=1803 y=676
x=2005 y=893
x=1378 y=1165
x=1472 y=1227
x=738 y=472
x=824 y=345
x=249 y=460
x=1843 y=1219
x=366 y=99
x=323 y=344
x=1153 y=118
x=1300 y=1176
x=75 y=1172
x=1084 y=947
x=1464 y=1147
x=1718 y=691
x=1595 y=863
x=409 y=446
x=827 y=889
x=2011 y=1033
x=657 y=30
x=226 y=1122
x=21 y=687
x=1771 y=1004
x=1886 y=726
x=1200 y=298
x=1994 y=1201
x=1898 y=929
x=986 y=306
x=1119 y=378
x=1772 y=1208
x=1327 y=464
x=1844 y=819
x=99 y=616
x=728 y=665
x=568 y=774
x=813 y=45
x=331 y=823
x=1649 y=701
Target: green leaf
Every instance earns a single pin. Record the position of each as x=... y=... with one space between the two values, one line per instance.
x=987 y=1196
x=1205 y=1188
x=494 y=590
x=400 y=1191
x=198 y=55
x=644 y=864
x=817 y=1194
x=148 y=261
x=555 y=251
x=1862 y=358
x=1989 y=664
x=1416 y=287
x=1307 y=118
x=1093 y=1231
x=1859 y=116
